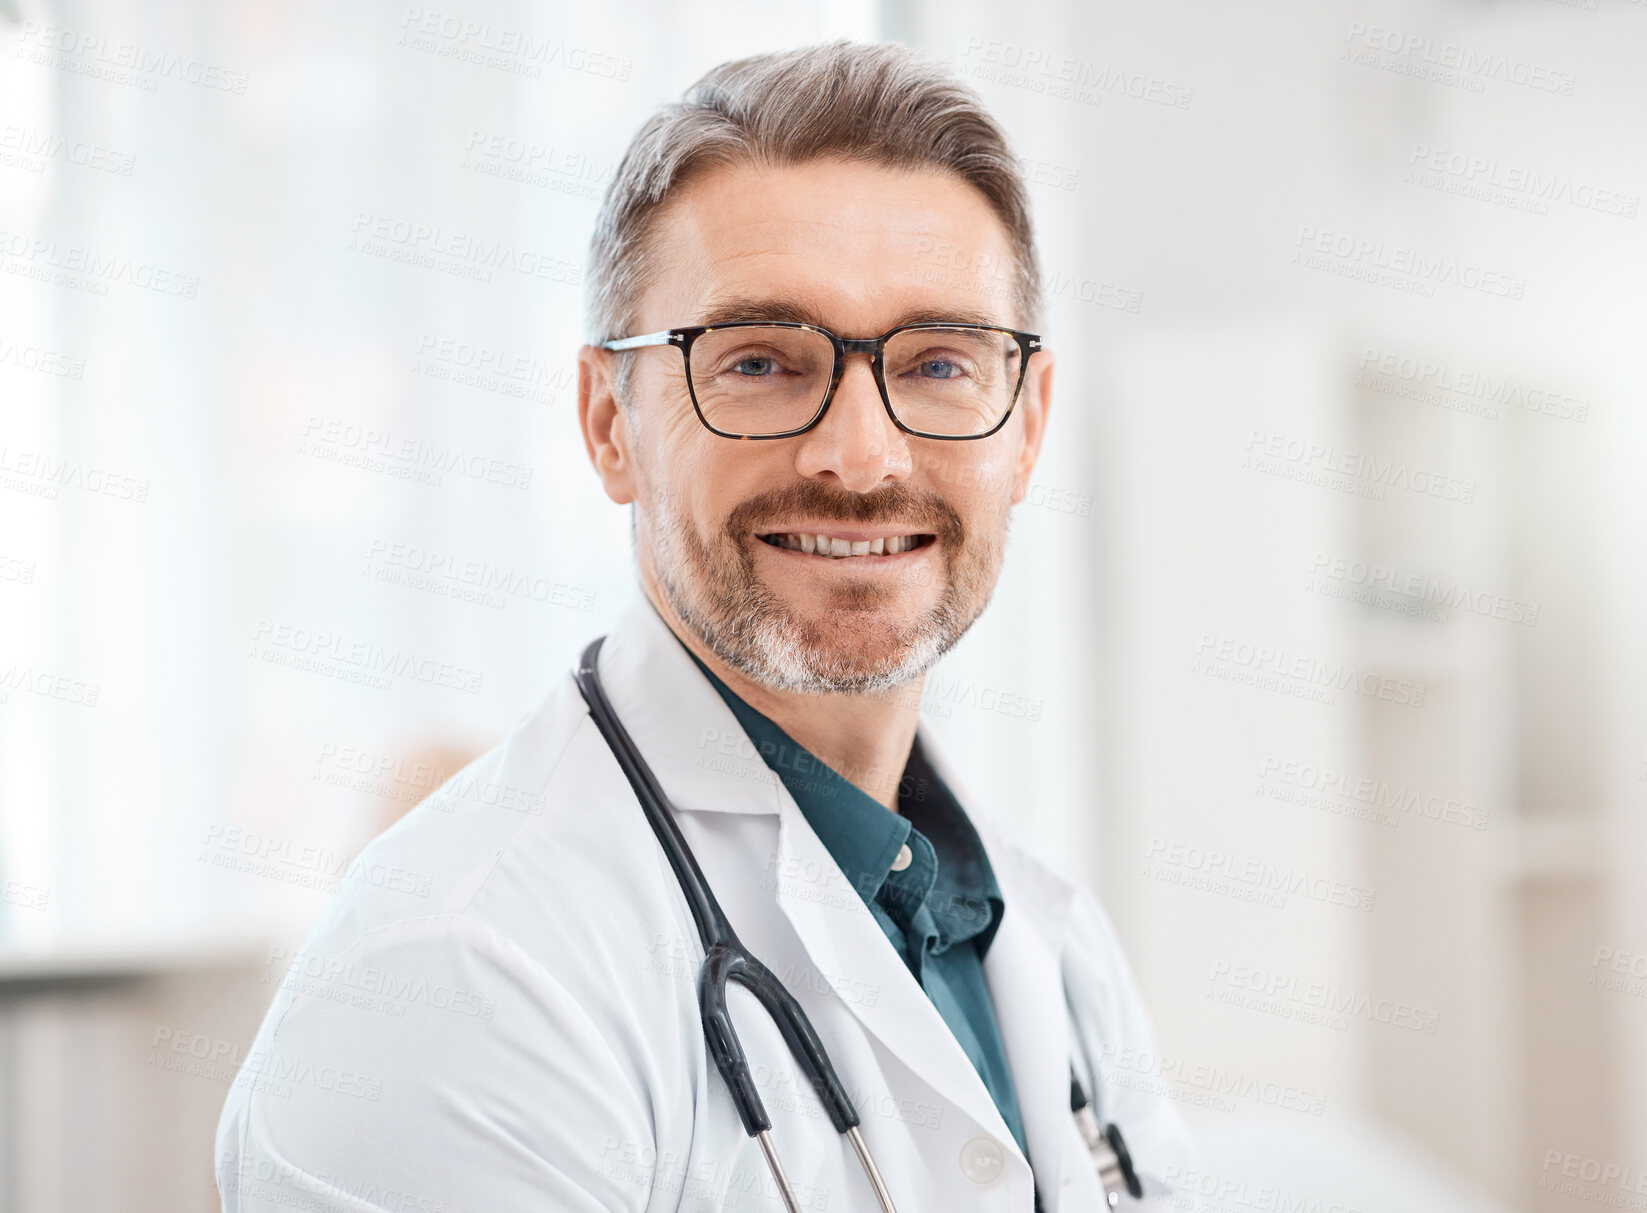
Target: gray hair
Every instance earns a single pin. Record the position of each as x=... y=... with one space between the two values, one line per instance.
x=871 y=102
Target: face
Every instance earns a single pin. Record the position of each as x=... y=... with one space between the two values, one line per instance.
x=732 y=534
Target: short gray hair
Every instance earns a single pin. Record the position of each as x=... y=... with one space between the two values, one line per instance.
x=871 y=102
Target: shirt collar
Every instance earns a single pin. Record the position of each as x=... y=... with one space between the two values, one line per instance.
x=864 y=837
x=860 y=833
x=965 y=900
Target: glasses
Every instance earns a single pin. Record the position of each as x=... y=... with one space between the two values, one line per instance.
x=769 y=379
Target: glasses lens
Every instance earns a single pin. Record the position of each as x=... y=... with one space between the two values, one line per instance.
x=953 y=382
x=758 y=380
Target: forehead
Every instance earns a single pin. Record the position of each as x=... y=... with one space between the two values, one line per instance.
x=862 y=247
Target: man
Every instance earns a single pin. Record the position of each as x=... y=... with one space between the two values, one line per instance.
x=813 y=373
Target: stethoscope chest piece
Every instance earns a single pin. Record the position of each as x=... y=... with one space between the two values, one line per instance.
x=1110 y=1156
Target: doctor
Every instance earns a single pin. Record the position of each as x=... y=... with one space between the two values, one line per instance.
x=817 y=518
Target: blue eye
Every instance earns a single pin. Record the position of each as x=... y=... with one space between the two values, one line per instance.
x=753 y=365
x=939 y=368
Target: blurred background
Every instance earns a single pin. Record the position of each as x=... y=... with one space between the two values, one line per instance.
x=1318 y=652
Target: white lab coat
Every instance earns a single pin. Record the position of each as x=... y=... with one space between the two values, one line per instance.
x=499 y=1012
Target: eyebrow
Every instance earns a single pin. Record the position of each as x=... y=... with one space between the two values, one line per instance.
x=782 y=309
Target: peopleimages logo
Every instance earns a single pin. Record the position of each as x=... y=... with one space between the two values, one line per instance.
x=1229 y=1192
x=1462 y=389
x=1267 y=451
x=333 y=440
x=1288 y=996
x=308 y=866
x=82 y=268
x=1171 y=1075
x=1476 y=176
x=432 y=247
x=471 y=580
x=1046 y=70
x=325 y=650
x=28 y=149
x=1627 y=1179
x=1298 y=674
x=1372 y=799
x=371 y=987
x=1222 y=868
x=1450 y=62
x=500 y=46
x=36 y=358
x=1415 y=590
x=39 y=475
x=100 y=57
x=1397 y=265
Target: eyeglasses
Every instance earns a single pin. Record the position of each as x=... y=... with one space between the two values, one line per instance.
x=769 y=379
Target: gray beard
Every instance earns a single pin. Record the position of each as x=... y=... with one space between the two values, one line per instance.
x=717 y=594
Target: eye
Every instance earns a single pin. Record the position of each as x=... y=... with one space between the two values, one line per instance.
x=753 y=365
x=937 y=364
x=938 y=368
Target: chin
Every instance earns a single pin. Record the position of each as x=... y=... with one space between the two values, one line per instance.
x=853 y=607
x=857 y=649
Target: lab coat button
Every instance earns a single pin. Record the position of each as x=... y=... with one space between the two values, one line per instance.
x=983 y=1161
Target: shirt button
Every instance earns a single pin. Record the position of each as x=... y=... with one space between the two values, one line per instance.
x=983 y=1160
x=904 y=859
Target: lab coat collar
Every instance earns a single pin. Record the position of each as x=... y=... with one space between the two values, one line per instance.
x=689 y=736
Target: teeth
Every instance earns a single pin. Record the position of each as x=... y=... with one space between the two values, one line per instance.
x=841 y=549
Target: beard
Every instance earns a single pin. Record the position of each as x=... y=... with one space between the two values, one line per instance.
x=857 y=645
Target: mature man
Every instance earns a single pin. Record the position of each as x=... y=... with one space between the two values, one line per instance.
x=810 y=373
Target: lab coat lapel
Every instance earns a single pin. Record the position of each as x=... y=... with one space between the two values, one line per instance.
x=1026 y=981
x=684 y=728
x=1024 y=968
x=843 y=939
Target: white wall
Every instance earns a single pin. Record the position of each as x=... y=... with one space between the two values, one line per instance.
x=1254 y=126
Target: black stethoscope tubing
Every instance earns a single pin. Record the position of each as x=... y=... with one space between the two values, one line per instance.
x=727 y=960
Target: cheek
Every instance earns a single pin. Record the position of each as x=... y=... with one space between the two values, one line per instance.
x=673 y=427
x=669 y=450
x=704 y=476
x=974 y=481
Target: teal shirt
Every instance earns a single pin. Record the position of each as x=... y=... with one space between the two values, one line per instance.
x=940 y=913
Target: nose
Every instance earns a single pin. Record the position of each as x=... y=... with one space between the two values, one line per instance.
x=856 y=445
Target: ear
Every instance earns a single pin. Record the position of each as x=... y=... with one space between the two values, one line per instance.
x=1035 y=404
x=604 y=424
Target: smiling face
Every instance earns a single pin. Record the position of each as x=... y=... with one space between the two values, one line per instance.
x=846 y=559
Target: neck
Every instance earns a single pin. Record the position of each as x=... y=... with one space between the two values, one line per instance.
x=864 y=738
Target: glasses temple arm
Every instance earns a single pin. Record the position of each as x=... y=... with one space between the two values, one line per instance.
x=635 y=343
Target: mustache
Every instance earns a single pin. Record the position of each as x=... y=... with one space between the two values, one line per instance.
x=895 y=504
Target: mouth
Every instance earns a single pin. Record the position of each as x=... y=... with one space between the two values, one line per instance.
x=836 y=544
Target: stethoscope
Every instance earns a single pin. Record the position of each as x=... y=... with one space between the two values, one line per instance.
x=727 y=960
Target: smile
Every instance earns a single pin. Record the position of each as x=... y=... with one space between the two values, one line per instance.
x=841 y=547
